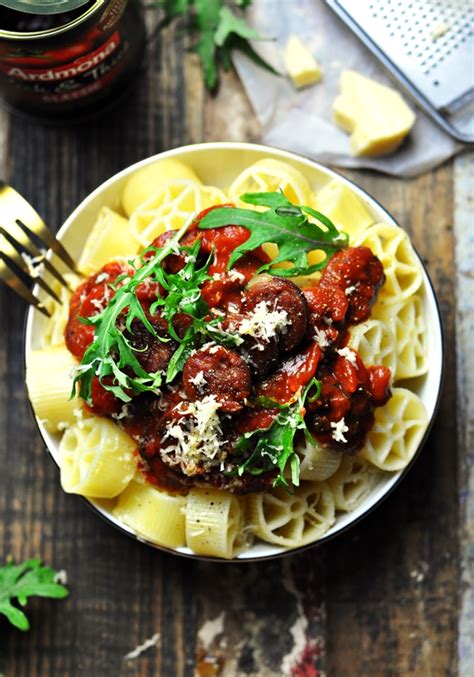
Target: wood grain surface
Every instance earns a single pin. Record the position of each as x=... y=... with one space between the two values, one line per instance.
x=382 y=599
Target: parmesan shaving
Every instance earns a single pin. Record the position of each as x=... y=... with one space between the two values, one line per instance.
x=262 y=323
x=339 y=428
x=320 y=337
x=34 y=264
x=196 y=441
x=348 y=354
x=60 y=577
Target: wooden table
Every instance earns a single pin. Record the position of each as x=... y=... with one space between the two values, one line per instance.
x=383 y=599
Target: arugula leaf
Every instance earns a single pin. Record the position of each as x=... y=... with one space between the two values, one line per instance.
x=20 y=581
x=230 y=23
x=286 y=225
x=275 y=444
x=218 y=30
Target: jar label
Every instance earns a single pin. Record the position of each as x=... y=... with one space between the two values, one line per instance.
x=71 y=80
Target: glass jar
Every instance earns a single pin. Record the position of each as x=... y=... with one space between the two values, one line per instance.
x=70 y=64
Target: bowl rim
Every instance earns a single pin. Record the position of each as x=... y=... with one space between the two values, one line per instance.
x=367 y=198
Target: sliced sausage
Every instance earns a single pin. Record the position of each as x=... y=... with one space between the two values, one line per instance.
x=280 y=294
x=153 y=354
x=220 y=372
x=359 y=274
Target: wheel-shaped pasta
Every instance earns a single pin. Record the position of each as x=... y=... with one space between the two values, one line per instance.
x=53 y=334
x=152 y=513
x=375 y=343
x=398 y=429
x=271 y=175
x=292 y=518
x=401 y=266
x=352 y=483
x=49 y=386
x=408 y=326
x=97 y=458
x=170 y=207
x=316 y=462
x=109 y=239
x=144 y=183
x=339 y=203
x=214 y=522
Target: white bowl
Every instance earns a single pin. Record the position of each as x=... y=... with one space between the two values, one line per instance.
x=217 y=164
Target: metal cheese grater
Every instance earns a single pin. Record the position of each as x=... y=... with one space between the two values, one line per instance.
x=428 y=45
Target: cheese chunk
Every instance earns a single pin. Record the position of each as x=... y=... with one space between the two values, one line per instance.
x=376 y=115
x=300 y=64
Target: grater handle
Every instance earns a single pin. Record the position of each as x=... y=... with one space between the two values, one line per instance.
x=414 y=94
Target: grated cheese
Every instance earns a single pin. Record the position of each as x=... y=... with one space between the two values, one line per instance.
x=350 y=290
x=320 y=337
x=34 y=264
x=339 y=428
x=196 y=440
x=199 y=380
x=348 y=354
x=102 y=278
x=60 y=577
x=262 y=322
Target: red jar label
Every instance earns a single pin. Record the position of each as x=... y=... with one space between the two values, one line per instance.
x=69 y=80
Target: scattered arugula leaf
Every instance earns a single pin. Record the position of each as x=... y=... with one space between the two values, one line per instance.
x=20 y=581
x=284 y=224
x=275 y=444
x=219 y=29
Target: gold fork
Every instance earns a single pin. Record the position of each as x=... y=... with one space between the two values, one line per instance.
x=18 y=222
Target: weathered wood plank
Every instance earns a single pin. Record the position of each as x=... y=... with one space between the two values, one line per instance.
x=464 y=256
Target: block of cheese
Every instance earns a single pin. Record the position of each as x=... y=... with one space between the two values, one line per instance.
x=340 y=204
x=376 y=115
x=300 y=64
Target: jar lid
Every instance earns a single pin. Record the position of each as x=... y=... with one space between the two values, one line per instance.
x=43 y=6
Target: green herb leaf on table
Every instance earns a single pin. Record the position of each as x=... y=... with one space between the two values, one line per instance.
x=284 y=224
x=275 y=444
x=219 y=29
x=21 y=581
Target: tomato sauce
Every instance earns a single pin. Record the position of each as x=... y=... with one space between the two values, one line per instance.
x=258 y=376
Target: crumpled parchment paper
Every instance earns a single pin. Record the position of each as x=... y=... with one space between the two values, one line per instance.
x=302 y=121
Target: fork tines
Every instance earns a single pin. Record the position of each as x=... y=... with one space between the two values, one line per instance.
x=19 y=223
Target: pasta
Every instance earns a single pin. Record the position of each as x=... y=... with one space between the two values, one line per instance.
x=292 y=519
x=138 y=475
x=53 y=334
x=352 y=482
x=405 y=321
x=170 y=206
x=143 y=184
x=397 y=432
x=213 y=522
x=271 y=175
x=49 y=386
x=375 y=343
x=96 y=459
x=316 y=462
x=339 y=203
x=110 y=238
x=154 y=514
x=402 y=270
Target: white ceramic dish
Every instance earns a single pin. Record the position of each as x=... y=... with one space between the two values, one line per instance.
x=217 y=164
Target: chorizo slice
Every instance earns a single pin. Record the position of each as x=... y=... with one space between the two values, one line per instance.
x=220 y=372
x=279 y=294
x=153 y=354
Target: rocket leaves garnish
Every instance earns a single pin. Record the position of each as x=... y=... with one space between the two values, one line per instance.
x=20 y=581
x=275 y=444
x=284 y=224
x=113 y=358
x=219 y=28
